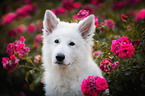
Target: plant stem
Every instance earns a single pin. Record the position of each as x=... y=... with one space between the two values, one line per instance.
x=29 y=67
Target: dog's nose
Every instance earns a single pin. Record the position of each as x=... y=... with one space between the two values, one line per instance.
x=60 y=57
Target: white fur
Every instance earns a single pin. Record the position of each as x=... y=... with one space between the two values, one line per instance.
x=66 y=80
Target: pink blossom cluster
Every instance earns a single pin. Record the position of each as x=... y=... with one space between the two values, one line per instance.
x=38 y=59
x=17 y=31
x=106 y=65
x=11 y=63
x=20 y=12
x=122 y=47
x=15 y=50
x=83 y=14
x=140 y=15
x=93 y=86
x=69 y=4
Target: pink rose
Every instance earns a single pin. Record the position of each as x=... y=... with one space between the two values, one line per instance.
x=31 y=28
x=38 y=38
x=37 y=59
x=77 y=5
x=9 y=18
x=13 y=57
x=22 y=38
x=20 y=46
x=141 y=15
x=96 y=21
x=126 y=51
x=101 y=84
x=123 y=16
x=110 y=23
x=5 y=60
x=105 y=64
x=117 y=43
x=88 y=86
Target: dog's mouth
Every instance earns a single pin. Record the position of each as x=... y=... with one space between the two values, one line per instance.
x=62 y=64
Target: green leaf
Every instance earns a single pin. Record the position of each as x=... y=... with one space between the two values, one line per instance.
x=27 y=75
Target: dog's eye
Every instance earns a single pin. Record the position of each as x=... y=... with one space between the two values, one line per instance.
x=71 y=43
x=56 y=41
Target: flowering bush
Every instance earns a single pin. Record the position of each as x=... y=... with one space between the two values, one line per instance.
x=119 y=44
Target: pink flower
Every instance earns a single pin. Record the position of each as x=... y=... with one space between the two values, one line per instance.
x=101 y=28
x=20 y=46
x=105 y=64
x=61 y=10
x=10 y=65
x=13 y=57
x=31 y=28
x=22 y=38
x=77 y=5
x=9 y=18
x=123 y=16
x=37 y=59
x=126 y=51
x=122 y=47
x=117 y=43
x=25 y=10
x=36 y=46
x=140 y=16
x=88 y=86
x=110 y=23
x=5 y=60
x=114 y=66
x=93 y=86
x=96 y=21
x=97 y=54
x=101 y=84
x=21 y=28
x=17 y=48
x=38 y=38
x=10 y=49
x=82 y=14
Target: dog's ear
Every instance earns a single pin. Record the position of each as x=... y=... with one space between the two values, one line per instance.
x=87 y=26
x=50 y=21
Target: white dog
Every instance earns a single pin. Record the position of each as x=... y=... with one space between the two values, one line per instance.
x=67 y=55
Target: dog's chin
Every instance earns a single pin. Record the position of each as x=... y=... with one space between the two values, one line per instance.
x=62 y=64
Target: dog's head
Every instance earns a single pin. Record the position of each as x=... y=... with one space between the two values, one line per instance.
x=66 y=43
